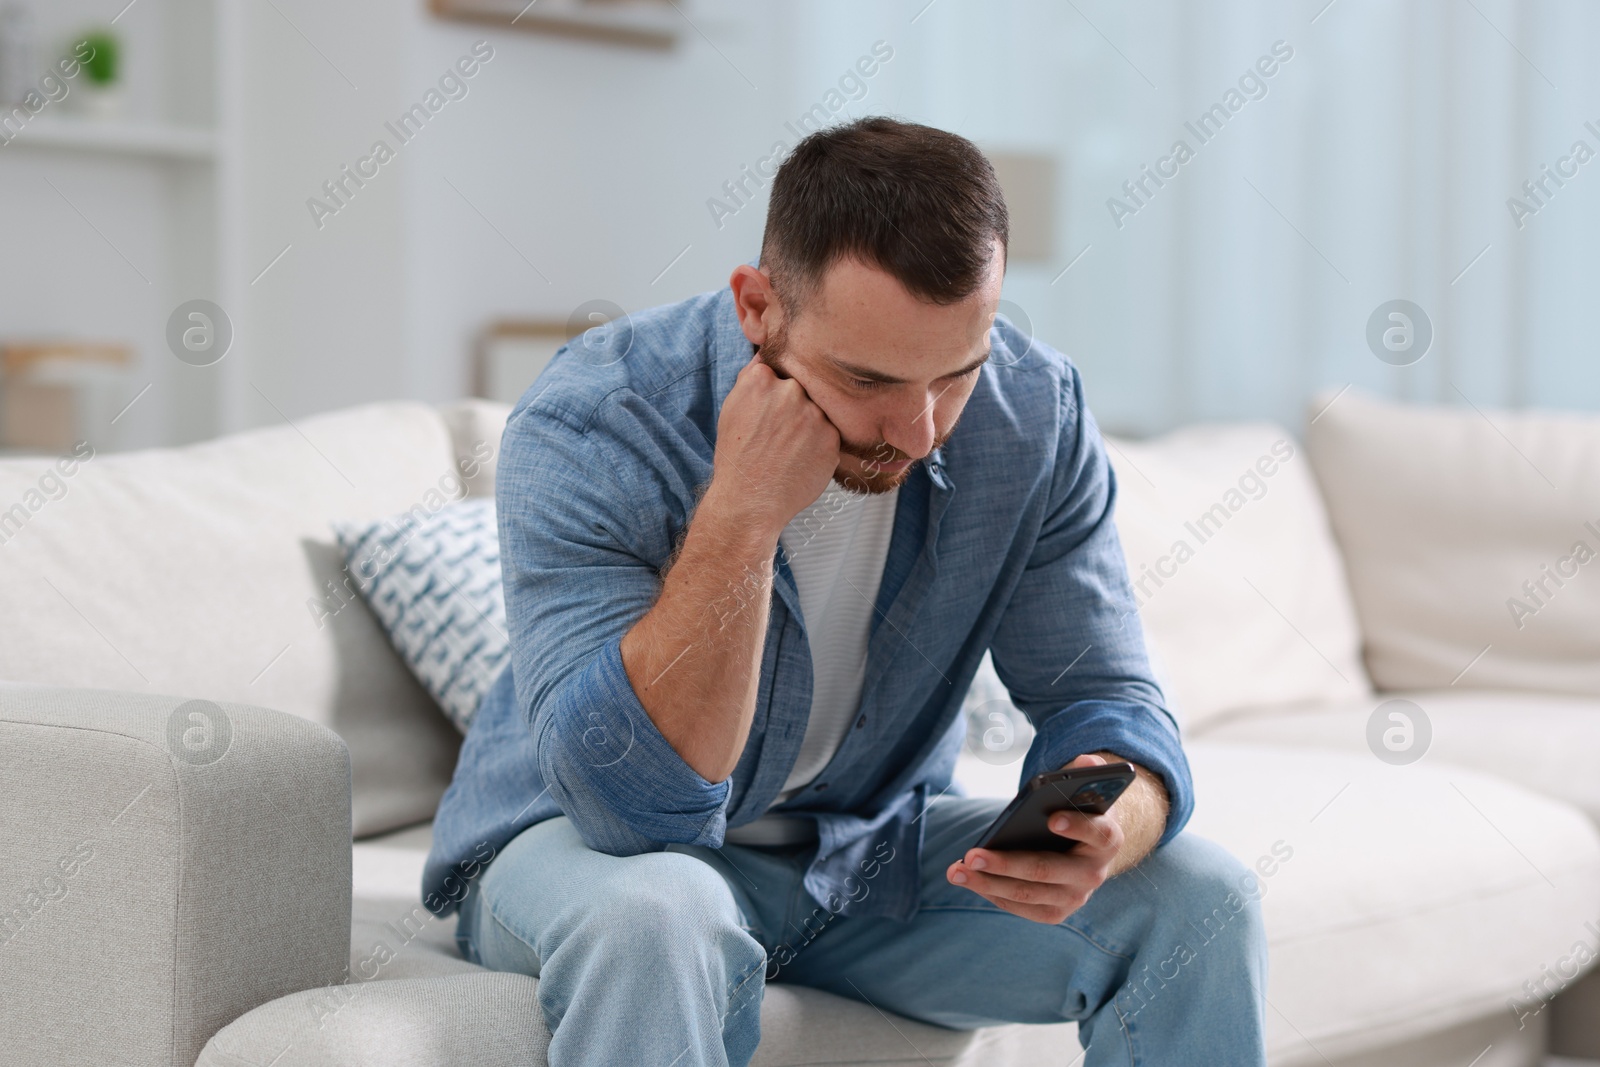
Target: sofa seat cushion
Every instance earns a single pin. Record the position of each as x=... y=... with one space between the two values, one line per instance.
x=1546 y=743
x=392 y=936
x=392 y=939
x=1399 y=900
x=210 y=571
x=486 y=1018
x=1394 y=909
x=1356 y=861
x=492 y=1019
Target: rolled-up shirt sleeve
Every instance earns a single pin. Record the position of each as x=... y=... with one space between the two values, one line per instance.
x=1070 y=647
x=576 y=582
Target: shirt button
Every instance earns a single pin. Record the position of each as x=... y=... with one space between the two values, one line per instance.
x=861 y=722
x=822 y=785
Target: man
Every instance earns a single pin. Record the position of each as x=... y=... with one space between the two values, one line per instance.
x=755 y=546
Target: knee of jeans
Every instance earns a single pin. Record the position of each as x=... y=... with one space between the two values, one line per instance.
x=1213 y=886
x=671 y=899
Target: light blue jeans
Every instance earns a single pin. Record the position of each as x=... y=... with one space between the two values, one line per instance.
x=662 y=958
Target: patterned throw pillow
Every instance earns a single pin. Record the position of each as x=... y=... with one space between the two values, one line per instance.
x=434 y=583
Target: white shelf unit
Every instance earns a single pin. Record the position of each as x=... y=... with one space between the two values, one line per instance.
x=108 y=224
x=157 y=140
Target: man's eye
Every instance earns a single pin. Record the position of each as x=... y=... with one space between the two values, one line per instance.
x=866 y=383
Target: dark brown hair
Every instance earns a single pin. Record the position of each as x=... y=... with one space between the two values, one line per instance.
x=920 y=203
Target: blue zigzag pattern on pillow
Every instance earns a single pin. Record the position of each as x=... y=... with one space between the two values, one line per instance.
x=434 y=584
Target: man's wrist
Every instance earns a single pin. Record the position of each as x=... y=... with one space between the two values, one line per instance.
x=734 y=520
x=1144 y=774
x=1142 y=813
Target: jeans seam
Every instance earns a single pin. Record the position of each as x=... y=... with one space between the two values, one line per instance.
x=1126 y=1026
x=488 y=906
x=544 y=1013
x=748 y=920
x=1127 y=958
x=1065 y=924
x=464 y=943
x=796 y=893
x=749 y=975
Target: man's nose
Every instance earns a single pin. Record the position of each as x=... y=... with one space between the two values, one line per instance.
x=911 y=431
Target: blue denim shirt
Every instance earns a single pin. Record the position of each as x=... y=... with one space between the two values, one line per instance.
x=1003 y=540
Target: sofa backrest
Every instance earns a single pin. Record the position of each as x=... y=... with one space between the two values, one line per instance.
x=476 y=427
x=1240 y=587
x=1472 y=540
x=1260 y=616
x=209 y=571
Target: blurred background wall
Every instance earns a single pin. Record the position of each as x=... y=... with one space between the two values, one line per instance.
x=1383 y=158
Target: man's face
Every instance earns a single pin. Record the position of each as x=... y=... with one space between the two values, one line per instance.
x=892 y=372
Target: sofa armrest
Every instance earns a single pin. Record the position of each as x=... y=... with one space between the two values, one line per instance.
x=168 y=865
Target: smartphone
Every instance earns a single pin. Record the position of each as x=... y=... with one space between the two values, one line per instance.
x=1025 y=824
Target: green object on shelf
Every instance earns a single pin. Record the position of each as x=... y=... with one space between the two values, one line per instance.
x=102 y=65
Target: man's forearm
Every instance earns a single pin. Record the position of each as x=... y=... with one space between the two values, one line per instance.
x=694 y=659
x=1141 y=811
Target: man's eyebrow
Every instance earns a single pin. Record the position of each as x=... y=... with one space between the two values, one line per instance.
x=889 y=379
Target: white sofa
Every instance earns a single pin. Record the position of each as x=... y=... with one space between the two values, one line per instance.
x=179 y=882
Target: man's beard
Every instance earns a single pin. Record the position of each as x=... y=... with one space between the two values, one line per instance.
x=870 y=479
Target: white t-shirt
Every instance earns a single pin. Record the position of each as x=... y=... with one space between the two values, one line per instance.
x=836 y=549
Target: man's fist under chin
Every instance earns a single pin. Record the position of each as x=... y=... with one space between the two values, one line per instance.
x=776 y=449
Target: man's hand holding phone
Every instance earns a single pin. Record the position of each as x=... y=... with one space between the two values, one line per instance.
x=1047 y=887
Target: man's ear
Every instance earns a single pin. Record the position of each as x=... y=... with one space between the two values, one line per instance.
x=755 y=302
